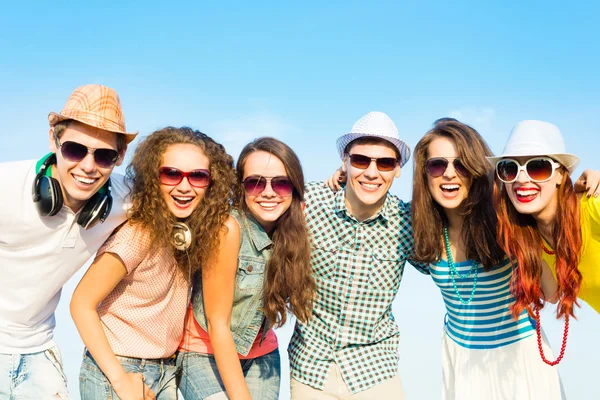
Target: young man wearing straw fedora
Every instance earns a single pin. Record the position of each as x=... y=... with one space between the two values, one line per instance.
x=361 y=239
x=55 y=214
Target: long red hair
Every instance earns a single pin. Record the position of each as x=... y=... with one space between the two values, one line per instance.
x=520 y=239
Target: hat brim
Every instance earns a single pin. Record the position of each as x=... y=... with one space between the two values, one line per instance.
x=569 y=161
x=100 y=123
x=402 y=147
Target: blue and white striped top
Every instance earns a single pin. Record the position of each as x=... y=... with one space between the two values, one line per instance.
x=486 y=322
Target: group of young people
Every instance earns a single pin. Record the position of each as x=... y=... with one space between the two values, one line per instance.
x=198 y=259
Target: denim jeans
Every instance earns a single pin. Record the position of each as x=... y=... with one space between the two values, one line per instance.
x=200 y=377
x=159 y=376
x=38 y=376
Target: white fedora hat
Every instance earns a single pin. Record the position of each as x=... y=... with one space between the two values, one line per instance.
x=537 y=138
x=375 y=124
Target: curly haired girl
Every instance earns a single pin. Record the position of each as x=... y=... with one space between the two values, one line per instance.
x=130 y=306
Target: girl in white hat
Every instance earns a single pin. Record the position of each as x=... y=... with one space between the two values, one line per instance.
x=487 y=353
x=553 y=233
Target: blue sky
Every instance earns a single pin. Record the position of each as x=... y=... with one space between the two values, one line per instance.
x=305 y=73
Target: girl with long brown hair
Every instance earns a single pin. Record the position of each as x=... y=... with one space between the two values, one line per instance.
x=261 y=272
x=551 y=231
x=130 y=306
x=486 y=352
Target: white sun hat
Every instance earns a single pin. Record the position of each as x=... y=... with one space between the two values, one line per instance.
x=537 y=138
x=375 y=124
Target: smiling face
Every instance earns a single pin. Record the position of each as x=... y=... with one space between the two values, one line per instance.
x=535 y=198
x=183 y=198
x=267 y=206
x=450 y=189
x=82 y=179
x=366 y=188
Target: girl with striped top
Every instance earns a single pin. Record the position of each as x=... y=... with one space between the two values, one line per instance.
x=131 y=304
x=486 y=352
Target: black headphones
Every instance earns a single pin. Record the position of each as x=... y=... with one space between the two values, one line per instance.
x=47 y=196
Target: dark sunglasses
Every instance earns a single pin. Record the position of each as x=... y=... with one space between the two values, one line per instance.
x=75 y=152
x=384 y=164
x=539 y=169
x=199 y=178
x=255 y=185
x=437 y=166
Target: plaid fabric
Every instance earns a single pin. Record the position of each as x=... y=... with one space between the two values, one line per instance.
x=358 y=267
x=94 y=105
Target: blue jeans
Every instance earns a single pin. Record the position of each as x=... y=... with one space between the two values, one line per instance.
x=200 y=377
x=33 y=376
x=159 y=374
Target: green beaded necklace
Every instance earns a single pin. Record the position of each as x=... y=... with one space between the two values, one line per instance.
x=454 y=271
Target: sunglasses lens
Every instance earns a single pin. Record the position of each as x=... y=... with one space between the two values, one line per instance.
x=539 y=170
x=436 y=166
x=460 y=168
x=170 y=176
x=359 y=161
x=507 y=170
x=106 y=158
x=73 y=151
x=386 y=163
x=282 y=186
x=199 y=178
x=254 y=185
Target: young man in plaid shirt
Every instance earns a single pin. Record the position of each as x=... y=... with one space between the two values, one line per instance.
x=361 y=238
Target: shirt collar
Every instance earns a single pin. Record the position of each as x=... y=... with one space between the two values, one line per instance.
x=259 y=237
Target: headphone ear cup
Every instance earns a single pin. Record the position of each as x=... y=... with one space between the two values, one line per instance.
x=182 y=236
x=47 y=196
x=95 y=210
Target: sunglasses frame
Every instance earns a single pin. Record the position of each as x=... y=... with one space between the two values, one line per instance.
x=183 y=175
x=269 y=180
x=374 y=159
x=555 y=166
x=90 y=150
x=447 y=161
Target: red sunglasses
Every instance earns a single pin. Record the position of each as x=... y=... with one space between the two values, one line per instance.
x=199 y=178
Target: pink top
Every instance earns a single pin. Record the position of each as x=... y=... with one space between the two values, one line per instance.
x=196 y=339
x=143 y=316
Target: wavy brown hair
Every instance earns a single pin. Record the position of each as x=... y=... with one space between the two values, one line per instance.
x=520 y=238
x=149 y=210
x=428 y=217
x=289 y=283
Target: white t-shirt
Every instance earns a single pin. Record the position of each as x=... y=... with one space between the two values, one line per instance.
x=38 y=255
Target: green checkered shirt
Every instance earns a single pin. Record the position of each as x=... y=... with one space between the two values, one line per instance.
x=358 y=267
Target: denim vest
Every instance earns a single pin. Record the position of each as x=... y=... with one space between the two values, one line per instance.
x=247 y=316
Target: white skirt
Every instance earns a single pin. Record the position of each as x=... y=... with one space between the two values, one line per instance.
x=512 y=372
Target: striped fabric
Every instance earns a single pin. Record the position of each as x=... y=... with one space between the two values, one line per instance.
x=487 y=321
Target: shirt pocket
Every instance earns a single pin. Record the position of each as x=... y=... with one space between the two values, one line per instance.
x=324 y=258
x=386 y=269
x=250 y=274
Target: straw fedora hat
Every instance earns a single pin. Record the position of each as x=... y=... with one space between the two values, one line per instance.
x=537 y=138
x=94 y=105
x=375 y=124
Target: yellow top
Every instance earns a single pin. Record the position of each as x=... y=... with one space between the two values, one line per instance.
x=589 y=263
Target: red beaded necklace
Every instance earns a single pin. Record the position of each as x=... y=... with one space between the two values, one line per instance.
x=547 y=250
x=538 y=329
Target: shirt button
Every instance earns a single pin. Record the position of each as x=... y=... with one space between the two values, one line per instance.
x=250 y=268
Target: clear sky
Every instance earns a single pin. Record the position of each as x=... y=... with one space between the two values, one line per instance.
x=305 y=72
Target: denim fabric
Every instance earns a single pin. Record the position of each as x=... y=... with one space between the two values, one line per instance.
x=159 y=375
x=200 y=377
x=33 y=376
x=246 y=314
